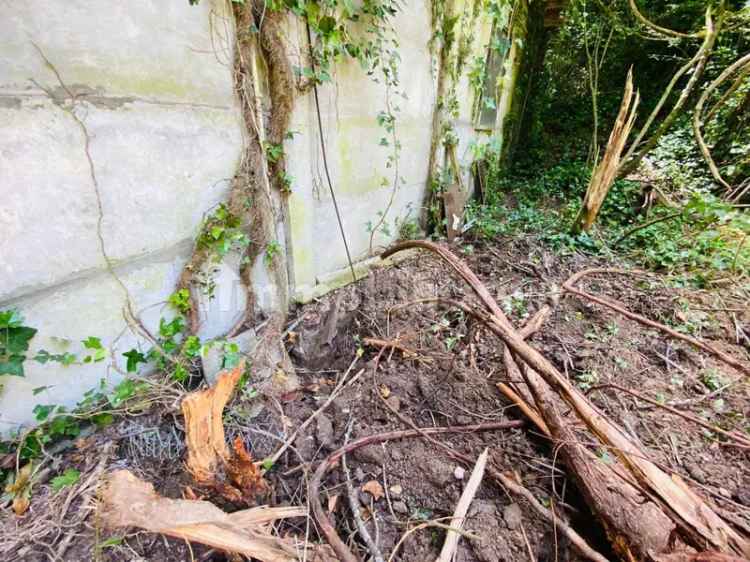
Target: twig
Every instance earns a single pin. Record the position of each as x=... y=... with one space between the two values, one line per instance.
x=645 y=225
x=462 y=507
x=570 y=287
x=395 y=344
x=336 y=391
x=743 y=442
x=354 y=505
x=339 y=547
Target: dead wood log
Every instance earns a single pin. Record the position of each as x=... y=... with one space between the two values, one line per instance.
x=128 y=501
x=570 y=287
x=635 y=524
x=233 y=474
x=696 y=521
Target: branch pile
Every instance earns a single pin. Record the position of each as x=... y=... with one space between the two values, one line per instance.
x=648 y=514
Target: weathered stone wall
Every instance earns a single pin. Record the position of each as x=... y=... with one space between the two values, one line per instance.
x=120 y=130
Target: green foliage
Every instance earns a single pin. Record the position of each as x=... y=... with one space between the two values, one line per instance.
x=134 y=357
x=14 y=342
x=222 y=232
x=273 y=249
x=97 y=350
x=180 y=301
x=67 y=478
x=704 y=239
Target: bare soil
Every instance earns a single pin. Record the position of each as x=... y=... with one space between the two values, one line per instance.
x=450 y=381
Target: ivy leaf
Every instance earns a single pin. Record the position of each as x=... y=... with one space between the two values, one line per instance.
x=67 y=478
x=92 y=343
x=16 y=340
x=134 y=357
x=42 y=411
x=12 y=365
x=192 y=346
x=10 y=319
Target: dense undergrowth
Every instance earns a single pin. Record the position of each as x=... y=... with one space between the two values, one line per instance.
x=697 y=237
x=669 y=214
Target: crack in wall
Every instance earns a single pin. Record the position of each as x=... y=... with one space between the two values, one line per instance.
x=96 y=97
x=68 y=105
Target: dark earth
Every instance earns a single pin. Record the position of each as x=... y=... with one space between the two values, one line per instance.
x=449 y=381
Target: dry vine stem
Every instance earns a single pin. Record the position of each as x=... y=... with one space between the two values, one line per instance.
x=665 y=498
x=569 y=286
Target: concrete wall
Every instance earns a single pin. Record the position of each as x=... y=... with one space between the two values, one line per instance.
x=128 y=133
x=153 y=88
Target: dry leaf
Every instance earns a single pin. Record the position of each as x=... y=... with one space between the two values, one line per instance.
x=385 y=392
x=373 y=488
x=20 y=504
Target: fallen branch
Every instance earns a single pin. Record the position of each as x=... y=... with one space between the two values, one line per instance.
x=339 y=547
x=128 y=501
x=462 y=508
x=698 y=524
x=569 y=286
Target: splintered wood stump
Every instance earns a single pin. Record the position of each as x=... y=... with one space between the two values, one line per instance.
x=233 y=474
